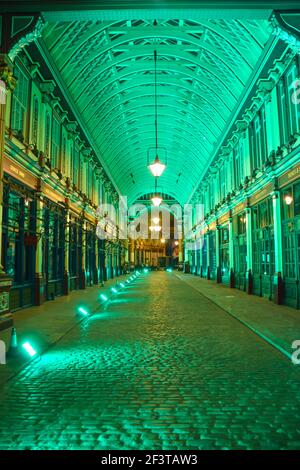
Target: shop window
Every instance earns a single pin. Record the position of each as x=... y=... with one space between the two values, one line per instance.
x=263 y=238
x=224 y=250
x=53 y=243
x=19 y=224
x=297 y=199
x=288 y=203
x=90 y=254
x=240 y=243
x=289 y=251
x=204 y=255
x=74 y=248
x=241 y=224
x=212 y=251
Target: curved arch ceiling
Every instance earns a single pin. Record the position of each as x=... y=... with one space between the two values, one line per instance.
x=202 y=70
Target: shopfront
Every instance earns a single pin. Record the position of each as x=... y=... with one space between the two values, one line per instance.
x=54 y=218
x=101 y=260
x=90 y=255
x=290 y=204
x=224 y=254
x=204 y=270
x=75 y=250
x=263 y=261
x=19 y=241
x=240 y=251
x=212 y=254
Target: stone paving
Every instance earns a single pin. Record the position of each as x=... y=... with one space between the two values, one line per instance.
x=278 y=323
x=160 y=367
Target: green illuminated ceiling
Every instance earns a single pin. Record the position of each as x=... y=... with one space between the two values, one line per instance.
x=203 y=69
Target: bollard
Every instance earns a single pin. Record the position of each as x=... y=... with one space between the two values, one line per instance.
x=2 y=353
x=13 y=347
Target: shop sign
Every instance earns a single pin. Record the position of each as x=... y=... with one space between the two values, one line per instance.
x=238 y=208
x=261 y=194
x=223 y=219
x=289 y=176
x=19 y=173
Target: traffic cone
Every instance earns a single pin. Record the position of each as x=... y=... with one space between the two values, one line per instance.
x=13 y=347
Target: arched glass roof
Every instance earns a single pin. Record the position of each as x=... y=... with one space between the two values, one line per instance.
x=203 y=68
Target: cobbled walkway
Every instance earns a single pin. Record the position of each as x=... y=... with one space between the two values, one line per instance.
x=160 y=367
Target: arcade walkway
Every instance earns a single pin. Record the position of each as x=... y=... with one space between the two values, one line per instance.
x=159 y=367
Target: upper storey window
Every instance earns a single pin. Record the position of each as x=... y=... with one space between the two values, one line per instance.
x=47 y=134
x=35 y=121
x=55 y=142
x=293 y=85
x=20 y=102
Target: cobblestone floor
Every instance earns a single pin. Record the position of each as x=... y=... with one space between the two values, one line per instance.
x=161 y=367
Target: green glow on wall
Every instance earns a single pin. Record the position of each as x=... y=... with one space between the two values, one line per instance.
x=29 y=349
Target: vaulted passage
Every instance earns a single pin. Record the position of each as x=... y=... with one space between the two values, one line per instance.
x=154 y=146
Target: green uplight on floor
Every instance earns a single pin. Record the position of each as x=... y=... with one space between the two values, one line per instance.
x=127 y=281
x=169 y=270
x=121 y=284
x=83 y=311
x=114 y=290
x=103 y=297
x=29 y=349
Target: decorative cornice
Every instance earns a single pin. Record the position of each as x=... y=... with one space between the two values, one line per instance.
x=27 y=38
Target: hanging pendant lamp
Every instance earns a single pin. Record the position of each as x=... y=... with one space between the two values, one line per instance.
x=157 y=167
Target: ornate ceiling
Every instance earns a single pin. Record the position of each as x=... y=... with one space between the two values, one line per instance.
x=203 y=69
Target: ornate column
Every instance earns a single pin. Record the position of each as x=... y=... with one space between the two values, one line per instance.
x=218 y=263
x=180 y=252
x=231 y=251
x=82 y=277
x=249 y=250
x=7 y=83
x=66 y=286
x=207 y=255
x=200 y=243
x=131 y=258
x=39 y=293
x=278 y=252
x=97 y=264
